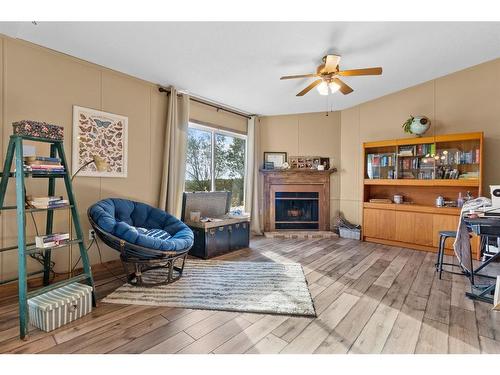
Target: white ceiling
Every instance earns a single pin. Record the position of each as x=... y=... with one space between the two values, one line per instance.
x=239 y=63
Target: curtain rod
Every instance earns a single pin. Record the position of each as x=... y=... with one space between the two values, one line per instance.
x=207 y=103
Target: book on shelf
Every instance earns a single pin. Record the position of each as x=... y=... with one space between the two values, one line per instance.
x=47 y=202
x=407 y=150
x=380 y=200
x=41 y=162
x=51 y=240
x=44 y=199
x=426 y=149
x=47 y=166
x=39 y=159
x=469 y=176
x=37 y=164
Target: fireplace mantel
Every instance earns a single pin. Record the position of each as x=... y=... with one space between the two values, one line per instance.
x=297 y=171
x=298 y=181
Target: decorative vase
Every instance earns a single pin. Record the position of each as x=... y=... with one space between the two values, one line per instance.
x=420 y=125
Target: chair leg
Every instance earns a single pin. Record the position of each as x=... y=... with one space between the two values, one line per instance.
x=438 y=258
x=442 y=243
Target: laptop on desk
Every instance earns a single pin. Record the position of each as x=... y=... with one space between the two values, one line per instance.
x=489 y=212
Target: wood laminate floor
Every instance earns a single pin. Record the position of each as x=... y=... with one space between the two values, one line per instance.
x=369 y=299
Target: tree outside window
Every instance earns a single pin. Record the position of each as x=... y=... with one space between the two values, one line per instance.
x=216 y=162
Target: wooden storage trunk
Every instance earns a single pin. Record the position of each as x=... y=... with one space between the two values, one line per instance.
x=60 y=306
x=215 y=237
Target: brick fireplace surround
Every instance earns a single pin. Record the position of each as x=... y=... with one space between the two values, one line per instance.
x=311 y=185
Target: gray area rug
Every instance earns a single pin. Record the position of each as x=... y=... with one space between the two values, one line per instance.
x=260 y=287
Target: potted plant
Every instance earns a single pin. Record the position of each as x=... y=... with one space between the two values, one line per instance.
x=416 y=125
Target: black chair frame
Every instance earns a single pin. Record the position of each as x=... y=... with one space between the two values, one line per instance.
x=137 y=260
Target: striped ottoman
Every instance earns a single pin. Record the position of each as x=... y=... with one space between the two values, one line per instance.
x=60 y=306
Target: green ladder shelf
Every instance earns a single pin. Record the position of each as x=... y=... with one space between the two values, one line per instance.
x=15 y=149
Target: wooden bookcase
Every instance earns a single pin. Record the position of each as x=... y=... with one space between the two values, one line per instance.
x=419 y=169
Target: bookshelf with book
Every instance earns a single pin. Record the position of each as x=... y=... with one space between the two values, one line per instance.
x=404 y=177
x=20 y=163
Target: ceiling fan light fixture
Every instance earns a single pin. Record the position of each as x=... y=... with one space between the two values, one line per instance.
x=323 y=88
x=334 y=87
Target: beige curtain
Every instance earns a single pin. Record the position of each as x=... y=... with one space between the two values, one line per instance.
x=174 y=154
x=252 y=178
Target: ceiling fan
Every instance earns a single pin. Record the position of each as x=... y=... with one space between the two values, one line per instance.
x=328 y=73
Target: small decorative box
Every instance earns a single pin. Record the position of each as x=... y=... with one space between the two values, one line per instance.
x=60 y=306
x=38 y=129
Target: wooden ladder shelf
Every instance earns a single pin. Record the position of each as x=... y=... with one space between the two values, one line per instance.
x=15 y=152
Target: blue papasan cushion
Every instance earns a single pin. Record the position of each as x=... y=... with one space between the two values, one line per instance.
x=140 y=224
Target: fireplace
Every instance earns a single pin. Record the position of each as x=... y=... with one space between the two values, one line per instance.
x=296 y=210
x=296 y=200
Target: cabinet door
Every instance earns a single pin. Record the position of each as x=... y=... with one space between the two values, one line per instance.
x=443 y=222
x=386 y=224
x=422 y=230
x=405 y=227
x=379 y=223
x=370 y=222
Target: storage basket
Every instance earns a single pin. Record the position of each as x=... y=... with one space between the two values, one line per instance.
x=353 y=234
x=38 y=129
x=60 y=306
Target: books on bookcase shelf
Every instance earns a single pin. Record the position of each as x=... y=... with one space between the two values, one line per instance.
x=455 y=158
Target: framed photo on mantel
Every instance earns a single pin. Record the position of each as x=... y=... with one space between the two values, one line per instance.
x=277 y=158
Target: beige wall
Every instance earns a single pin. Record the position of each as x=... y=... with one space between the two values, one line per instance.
x=308 y=134
x=466 y=101
x=40 y=84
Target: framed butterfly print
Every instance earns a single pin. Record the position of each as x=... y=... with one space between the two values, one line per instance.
x=103 y=134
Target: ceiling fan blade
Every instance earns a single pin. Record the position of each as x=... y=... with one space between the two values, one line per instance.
x=344 y=88
x=299 y=76
x=361 y=72
x=310 y=87
x=331 y=63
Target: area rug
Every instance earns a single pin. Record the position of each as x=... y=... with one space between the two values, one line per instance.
x=260 y=287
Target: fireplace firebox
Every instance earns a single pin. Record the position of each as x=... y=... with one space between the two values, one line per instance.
x=296 y=210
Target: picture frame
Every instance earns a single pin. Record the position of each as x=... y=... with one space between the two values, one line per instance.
x=99 y=133
x=268 y=165
x=277 y=158
x=325 y=162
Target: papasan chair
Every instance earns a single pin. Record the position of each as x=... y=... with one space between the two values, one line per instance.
x=146 y=237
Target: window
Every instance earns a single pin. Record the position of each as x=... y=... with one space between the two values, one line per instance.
x=215 y=161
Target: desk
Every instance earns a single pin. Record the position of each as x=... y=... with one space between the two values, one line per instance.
x=485 y=227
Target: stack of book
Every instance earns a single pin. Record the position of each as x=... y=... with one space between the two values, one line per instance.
x=407 y=151
x=469 y=175
x=47 y=202
x=51 y=240
x=43 y=164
